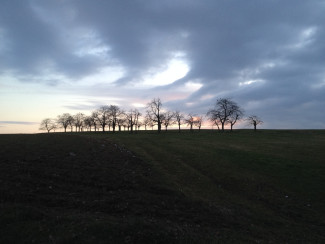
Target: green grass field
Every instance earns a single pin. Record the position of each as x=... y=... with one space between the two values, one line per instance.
x=270 y=182
x=200 y=187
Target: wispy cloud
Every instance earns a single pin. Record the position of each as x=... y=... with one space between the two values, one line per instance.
x=19 y=122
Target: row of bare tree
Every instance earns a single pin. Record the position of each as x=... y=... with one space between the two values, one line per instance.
x=225 y=112
x=228 y=112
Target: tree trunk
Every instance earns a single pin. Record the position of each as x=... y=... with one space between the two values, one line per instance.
x=218 y=126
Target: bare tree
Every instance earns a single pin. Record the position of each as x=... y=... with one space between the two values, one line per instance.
x=139 y=124
x=217 y=123
x=254 y=120
x=154 y=112
x=190 y=121
x=64 y=121
x=121 y=120
x=222 y=112
x=152 y=124
x=198 y=121
x=179 y=117
x=167 y=119
x=236 y=115
x=88 y=121
x=48 y=125
x=133 y=118
x=71 y=122
x=130 y=121
x=94 y=119
x=147 y=122
x=137 y=115
x=109 y=123
x=114 y=112
x=79 y=121
x=102 y=116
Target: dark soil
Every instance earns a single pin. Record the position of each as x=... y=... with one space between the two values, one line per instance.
x=60 y=188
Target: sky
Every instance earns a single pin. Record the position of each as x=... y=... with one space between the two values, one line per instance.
x=70 y=56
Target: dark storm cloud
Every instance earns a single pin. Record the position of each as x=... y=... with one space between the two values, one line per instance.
x=39 y=40
x=267 y=55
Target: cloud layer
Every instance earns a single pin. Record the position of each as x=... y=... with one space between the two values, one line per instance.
x=269 y=56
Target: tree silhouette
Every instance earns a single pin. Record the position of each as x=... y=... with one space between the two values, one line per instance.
x=147 y=122
x=198 y=121
x=47 y=124
x=190 y=121
x=114 y=112
x=167 y=119
x=94 y=120
x=133 y=118
x=237 y=114
x=154 y=112
x=64 y=121
x=102 y=116
x=223 y=112
x=71 y=122
x=121 y=120
x=88 y=122
x=179 y=117
x=79 y=121
x=137 y=115
x=254 y=120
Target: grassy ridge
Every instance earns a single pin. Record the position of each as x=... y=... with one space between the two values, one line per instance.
x=268 y=180
x=185 y=188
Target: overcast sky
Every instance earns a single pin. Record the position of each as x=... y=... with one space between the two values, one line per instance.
x=60 y=56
